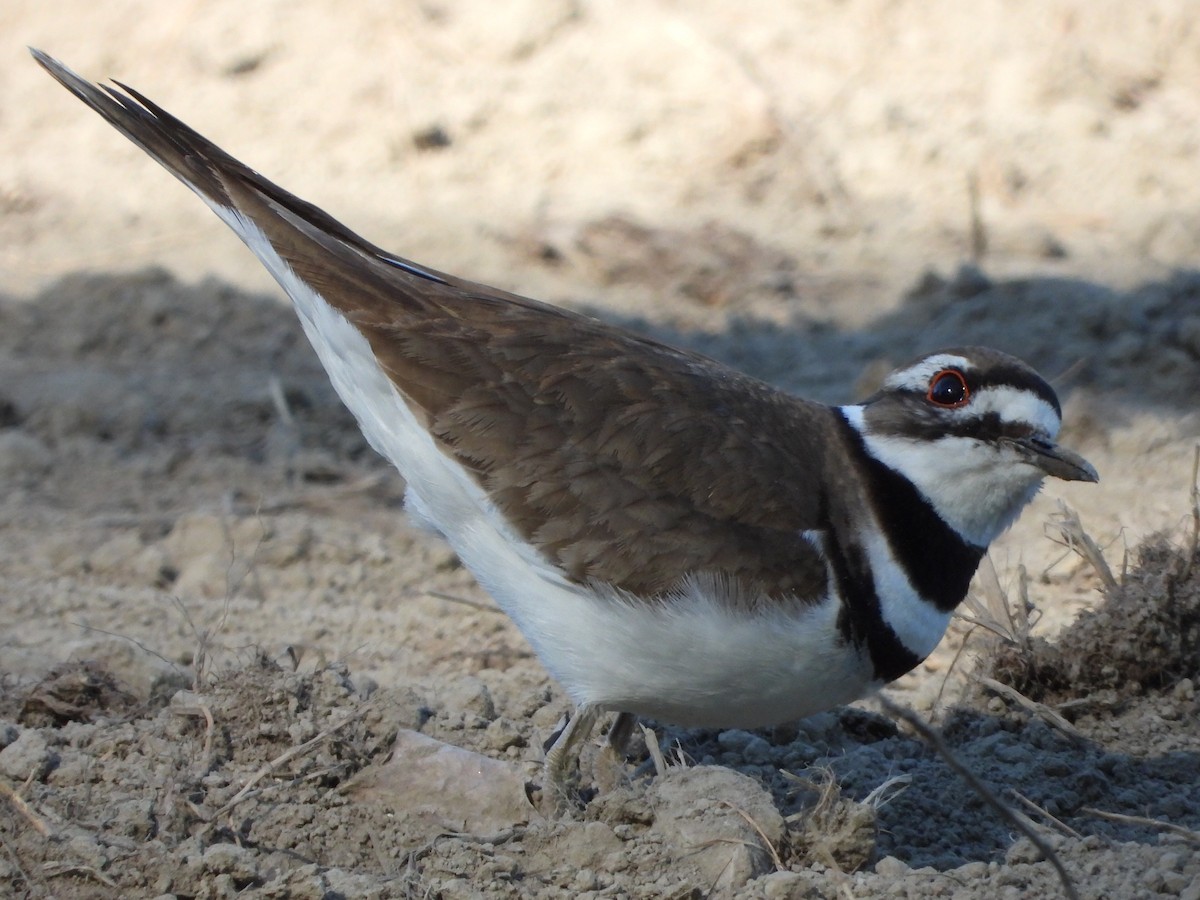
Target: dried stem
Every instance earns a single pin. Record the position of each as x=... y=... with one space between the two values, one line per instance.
x=1190 y=558
x=1040 y=710
x=1057 y=822
x=19 y=804
x=1192 y=837
x=1072 y=535
x=985 y=793
x=285 y=757
x=775 y=858
x=655 y=750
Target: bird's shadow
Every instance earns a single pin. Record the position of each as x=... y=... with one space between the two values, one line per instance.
x=145 y=360
x=1136 y=350
x=1059 y=781
x=195 y=356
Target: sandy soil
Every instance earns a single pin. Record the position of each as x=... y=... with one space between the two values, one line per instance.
x=216 y=621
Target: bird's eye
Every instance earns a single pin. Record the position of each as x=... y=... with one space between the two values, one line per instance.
x=948 y=388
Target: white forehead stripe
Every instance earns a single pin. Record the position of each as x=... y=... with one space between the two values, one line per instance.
x=916 y=378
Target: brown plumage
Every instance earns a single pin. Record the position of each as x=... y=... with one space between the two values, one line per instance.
x=623 y=460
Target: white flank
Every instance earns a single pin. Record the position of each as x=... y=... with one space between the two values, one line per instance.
x=699 y=660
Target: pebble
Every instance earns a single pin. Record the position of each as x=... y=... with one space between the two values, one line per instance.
x=23 y=458
x=1173 y=882
x=750 y=747
x=501 y=734
x=783 y=885
x=240 y=863
x=469 y=695
x=729 y=814
x=29 y=755
x=972 y=871
x=585 y=880
x=890 y=867
x=1023 y=851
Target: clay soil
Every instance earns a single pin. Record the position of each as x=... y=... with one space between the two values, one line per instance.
x=230 y=667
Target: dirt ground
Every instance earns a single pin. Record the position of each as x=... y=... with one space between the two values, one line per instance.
x=228 y=666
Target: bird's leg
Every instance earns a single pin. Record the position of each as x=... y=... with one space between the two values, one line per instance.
x=619 y=733
x=610 y=771
x=564 y=751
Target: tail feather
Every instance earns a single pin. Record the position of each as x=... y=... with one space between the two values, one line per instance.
x=223 y=182
x=182 y=151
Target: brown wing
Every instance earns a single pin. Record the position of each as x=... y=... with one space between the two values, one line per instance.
x=624 y=460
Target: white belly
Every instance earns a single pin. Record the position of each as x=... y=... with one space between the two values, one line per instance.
x=695 y=661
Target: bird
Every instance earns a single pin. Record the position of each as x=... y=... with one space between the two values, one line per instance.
x=675 y=539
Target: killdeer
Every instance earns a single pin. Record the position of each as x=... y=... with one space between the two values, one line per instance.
x=674 y=538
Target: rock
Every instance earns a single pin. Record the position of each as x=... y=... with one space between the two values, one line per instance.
x=446 y=785
x=890 y=867
x=23 y=458
x=750 y=747
x=239 y=863
x=470 y=696
x=719 y=822
x=28 y=756
x=501 y=734
x=783 y=885
x=212 y=554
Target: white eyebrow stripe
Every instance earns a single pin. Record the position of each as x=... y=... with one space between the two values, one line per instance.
x=916 y=378
x=1013 y=405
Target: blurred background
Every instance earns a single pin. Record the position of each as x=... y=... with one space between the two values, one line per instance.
x=585 y=150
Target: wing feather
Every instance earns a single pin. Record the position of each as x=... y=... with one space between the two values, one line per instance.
x=624 y=460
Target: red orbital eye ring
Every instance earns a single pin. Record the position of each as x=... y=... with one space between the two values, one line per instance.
x=948 y=389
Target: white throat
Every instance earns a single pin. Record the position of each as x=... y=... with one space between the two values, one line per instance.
x=975 y=488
